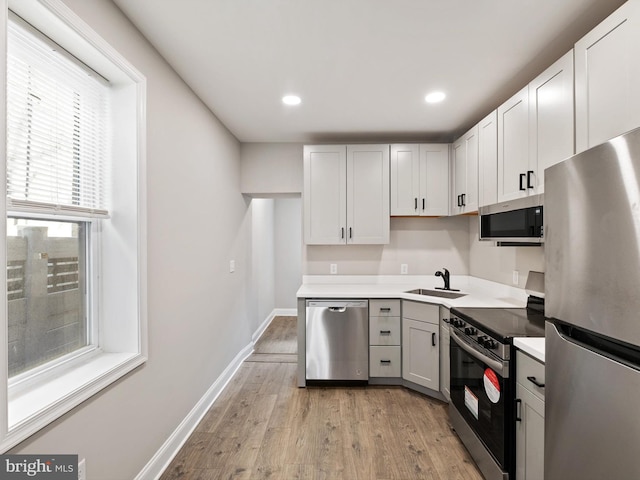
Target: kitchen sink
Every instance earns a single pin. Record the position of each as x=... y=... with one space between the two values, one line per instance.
x=436 y=293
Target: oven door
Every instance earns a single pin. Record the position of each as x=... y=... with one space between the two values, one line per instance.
x=480 y=389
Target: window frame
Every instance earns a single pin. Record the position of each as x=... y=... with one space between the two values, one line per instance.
x=30 y=405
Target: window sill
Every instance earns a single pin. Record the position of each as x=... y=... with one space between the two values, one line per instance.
x=32 y=408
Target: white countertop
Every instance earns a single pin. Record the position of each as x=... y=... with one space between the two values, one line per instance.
x=534 y=346
x=478 y=292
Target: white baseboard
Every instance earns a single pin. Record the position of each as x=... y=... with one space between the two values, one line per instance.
x=162 y=458
x=263 y=326
x=285 y=312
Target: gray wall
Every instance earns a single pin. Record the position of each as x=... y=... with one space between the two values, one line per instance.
x=263 y=262
x=197 y=222
x=271 y=168
x=498 y=263
x=288 y=251
x=424 y=244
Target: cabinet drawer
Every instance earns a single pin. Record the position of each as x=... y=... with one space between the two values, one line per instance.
x=384 y=331
x=385 y=362
x=384 y=308
x=422 y=312
x=528 y=371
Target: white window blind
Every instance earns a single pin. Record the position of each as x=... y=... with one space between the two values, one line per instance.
x=57 y=129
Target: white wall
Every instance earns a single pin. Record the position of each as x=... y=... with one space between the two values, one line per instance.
x=424 y=244
x=271 y=168
x=498 y=263
x=263 y=263
x=197 y=313
x=288 y=251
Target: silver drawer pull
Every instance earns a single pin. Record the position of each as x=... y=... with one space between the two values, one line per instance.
x=385 y=362
x=385 y=332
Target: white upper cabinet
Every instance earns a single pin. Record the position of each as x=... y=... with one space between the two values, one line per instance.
x=346 y=194
x=368 y=194
x=420 y=179
x=434 y=179
x=513 y=147
x=535 y=131
x=551 y=118
x=488 y=160
x=325 y=194
x=405 y=179
x=464 y=166
x=607 y=78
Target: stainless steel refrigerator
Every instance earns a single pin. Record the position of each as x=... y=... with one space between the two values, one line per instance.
x=592 y=286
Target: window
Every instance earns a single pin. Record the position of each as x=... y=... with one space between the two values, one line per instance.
x=75 y=244
x=57 y=156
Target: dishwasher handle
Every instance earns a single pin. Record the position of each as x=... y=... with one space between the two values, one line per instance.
x=338 y=309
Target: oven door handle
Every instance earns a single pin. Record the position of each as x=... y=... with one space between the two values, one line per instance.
x=499 y=367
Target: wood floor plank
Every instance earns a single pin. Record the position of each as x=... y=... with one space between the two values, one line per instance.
x=263 y=426
x=280 y=336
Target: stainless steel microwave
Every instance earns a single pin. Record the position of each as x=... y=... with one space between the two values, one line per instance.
x=514 y=223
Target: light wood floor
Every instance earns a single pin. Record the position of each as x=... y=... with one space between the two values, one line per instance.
x=264 y=427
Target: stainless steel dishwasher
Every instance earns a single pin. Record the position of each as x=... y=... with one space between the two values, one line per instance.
x=337 y=337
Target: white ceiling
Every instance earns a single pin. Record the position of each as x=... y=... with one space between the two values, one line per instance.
x=362 y=67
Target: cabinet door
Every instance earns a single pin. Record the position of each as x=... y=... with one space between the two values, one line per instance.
x=420 y=353
x=470 y=199
x=465 y=171
x=551 y=118
x=434 y=179
x=325 y=194
x=488 y=160
x=405 y=179
x=368 y=194
x=608 y=78
x=513 y=146
x=529 y=436
x=459 y=174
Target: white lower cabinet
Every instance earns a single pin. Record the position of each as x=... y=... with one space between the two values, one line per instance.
x=385 y=361
x=530 y=418
x=420 y=344
x=444 y=353
x=385 y=356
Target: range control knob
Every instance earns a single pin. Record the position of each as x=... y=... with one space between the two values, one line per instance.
x=457 y=322
x=470 y=331
x=490 y=344
x=483 y=339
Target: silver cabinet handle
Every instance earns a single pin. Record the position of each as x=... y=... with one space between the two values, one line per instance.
x=385 y=332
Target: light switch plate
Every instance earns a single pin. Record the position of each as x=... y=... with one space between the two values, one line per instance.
x=516 y=277
x=232 y=266
x=404 y=269
x=334 y=268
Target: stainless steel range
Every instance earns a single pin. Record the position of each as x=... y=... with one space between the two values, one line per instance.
x=483 y=380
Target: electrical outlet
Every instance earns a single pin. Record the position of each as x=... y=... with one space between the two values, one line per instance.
x=232 y=266
x=515 y=277
x=82 y=470
x=334 y=268
x=404 y=269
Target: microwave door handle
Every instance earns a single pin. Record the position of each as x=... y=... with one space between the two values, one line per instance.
x=494 y=364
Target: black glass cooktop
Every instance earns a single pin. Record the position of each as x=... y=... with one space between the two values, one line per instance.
x=504 y=323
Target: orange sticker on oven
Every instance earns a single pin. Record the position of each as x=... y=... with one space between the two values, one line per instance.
x=491 y=385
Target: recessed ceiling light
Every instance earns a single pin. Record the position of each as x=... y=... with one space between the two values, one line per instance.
x=291 y=100
x=435 y=97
